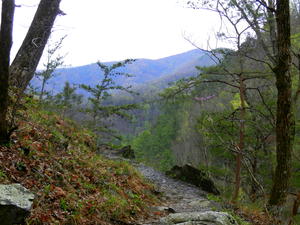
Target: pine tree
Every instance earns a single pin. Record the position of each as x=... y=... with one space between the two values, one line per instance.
x=98 y=110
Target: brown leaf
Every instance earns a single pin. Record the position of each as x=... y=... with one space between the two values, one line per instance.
x=59 y=192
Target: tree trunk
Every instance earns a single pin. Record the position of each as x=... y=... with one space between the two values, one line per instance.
x=253 y=189
x=27 y=59
x=7 y=17
x=239 y=155
x=42 y=90
x=272 y=26
x=285 y=123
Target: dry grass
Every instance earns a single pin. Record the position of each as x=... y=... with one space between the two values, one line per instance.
x=56 y=160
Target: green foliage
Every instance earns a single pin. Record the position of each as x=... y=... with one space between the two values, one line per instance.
x=98 y=109
x=180 y=88
x=236 y=102
x=296 y=219
x=295 y=180
x=53 y=61
x=296 y=40
x=215 y=198
x=219 y=118
x=3 y=176
x=67 y=99
x=153 y=145
x=63 y=204
x=238 y=219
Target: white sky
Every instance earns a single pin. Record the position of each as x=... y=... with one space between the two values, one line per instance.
x=110 y=30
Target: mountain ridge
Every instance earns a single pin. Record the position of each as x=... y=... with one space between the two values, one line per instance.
x=145 y=71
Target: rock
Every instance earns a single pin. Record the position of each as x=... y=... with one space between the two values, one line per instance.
x=202 y=203
x=111 y=153
x=194 y=176
x=199 y=218
x=163 y=209
x=15 y=203
x=127 y=152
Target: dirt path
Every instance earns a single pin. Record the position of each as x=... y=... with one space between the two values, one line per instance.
x=180 y=199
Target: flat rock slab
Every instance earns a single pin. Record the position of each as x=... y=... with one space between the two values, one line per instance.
x=199 y=218
x=15 y=203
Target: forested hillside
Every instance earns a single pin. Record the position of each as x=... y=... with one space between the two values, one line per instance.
x=226 y=120
x=144 y=71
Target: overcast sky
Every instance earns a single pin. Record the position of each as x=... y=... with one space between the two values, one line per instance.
x=109 y=30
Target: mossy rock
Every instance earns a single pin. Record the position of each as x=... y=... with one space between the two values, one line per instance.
x=193 y=176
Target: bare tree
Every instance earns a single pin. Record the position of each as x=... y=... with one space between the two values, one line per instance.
x=8 y=8
x=26 y=61
x=237 y=72
x=54 y=60
x=275 y=40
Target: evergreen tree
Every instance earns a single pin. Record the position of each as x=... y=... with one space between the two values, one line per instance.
x=53 y=61
x=68 y=100
x=99 y=111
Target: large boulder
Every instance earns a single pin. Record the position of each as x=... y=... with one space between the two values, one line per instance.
x=194 y=176
x=15 y=203
x=127 y=152
x=113 y=153
x=199 y=218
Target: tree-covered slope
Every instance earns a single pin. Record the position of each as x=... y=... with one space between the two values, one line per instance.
x=144 y=71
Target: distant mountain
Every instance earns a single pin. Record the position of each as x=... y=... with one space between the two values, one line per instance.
x=155 y=72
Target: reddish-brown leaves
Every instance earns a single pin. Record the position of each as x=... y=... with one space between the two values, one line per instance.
x=69 y=183
x=59 y=192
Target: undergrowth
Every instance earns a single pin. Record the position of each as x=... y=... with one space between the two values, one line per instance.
x=245 y=213
x=57 y=160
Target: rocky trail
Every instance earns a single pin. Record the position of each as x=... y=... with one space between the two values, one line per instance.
x=183 y=203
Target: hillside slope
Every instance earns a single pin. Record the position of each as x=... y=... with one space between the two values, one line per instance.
x=57 y=161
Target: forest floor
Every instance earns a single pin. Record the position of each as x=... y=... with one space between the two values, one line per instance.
x=177 y=196
x=56 y=160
